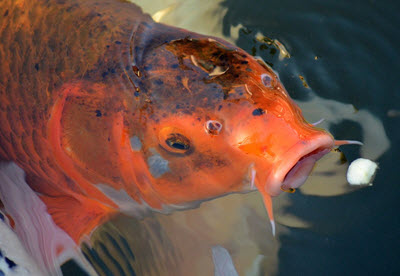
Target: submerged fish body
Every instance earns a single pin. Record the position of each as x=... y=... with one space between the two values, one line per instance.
x=107 y=111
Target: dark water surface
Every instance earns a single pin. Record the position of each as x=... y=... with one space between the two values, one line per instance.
x=357 y=44
x=347 y=51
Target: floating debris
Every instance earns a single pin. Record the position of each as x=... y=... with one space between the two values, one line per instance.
x=283 y=52
x=304 y=81
x=361 y=172
x=158 y=16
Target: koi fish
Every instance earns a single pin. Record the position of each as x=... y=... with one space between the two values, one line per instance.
x=107 y=111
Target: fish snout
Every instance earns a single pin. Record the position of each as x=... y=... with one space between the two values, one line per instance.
x=294 y=166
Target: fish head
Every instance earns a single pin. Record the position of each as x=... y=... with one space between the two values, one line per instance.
x=215 y=120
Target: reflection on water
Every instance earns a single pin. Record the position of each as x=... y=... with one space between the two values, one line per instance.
x=181 y=243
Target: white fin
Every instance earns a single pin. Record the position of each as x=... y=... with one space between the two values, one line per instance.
x=43 y=239
x=12 y=249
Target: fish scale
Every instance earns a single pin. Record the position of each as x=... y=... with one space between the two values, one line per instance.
x=29 y=94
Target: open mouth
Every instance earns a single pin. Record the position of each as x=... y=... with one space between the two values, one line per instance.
x=299 y=172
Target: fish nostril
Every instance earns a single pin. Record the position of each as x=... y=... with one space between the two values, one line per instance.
x=213 y=127
x=266 y=80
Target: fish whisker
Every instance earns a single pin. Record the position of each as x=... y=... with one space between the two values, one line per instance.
x=318 y=122
x=347 y=142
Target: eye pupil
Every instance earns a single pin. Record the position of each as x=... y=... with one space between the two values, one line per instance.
x=180 y=146
x=178 y=141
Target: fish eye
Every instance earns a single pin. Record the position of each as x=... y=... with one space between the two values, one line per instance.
x=266 y=80
x=172 y=140
x=178 y=141
x=213 y=127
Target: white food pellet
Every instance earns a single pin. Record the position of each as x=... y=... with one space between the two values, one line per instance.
x=361 y=171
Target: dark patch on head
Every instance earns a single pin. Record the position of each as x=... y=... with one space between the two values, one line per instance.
x=136 y=93
x=137 y=49
x=118 y=42
x=258 y=112
x=159 y=82
x=204 y=68
x=37 y=66
x=148 y=67
x=104 y=74
x=6 y=13
x=219 y=107
x=98 y=113
x=223 y=57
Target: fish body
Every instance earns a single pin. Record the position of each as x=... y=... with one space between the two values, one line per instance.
x=106 y=111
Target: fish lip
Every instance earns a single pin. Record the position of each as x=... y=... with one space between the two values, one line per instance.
x=301 y=160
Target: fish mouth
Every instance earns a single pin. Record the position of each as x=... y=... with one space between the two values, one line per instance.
x=300 y=161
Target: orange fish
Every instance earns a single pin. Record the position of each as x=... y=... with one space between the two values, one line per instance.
x=107 y=111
